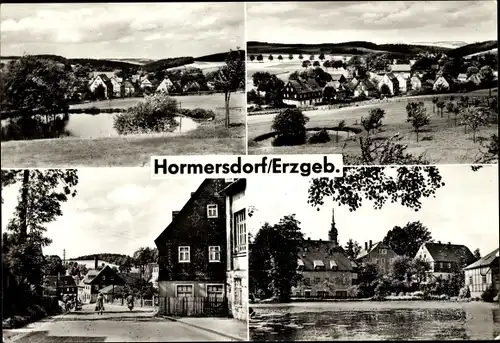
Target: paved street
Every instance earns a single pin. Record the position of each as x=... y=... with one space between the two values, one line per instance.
x=118 y=324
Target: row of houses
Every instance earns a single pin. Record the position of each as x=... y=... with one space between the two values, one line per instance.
x=327 y=271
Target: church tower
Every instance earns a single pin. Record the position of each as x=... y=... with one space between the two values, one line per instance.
x=333 y=233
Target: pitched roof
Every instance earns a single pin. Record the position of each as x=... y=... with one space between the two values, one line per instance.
x=449 y=252
x=64 y=281
x=337 y=77
x=400 y=68
x=305 y=87
x=486 y=261
x=364 y=252
x=392 y=77
x=112 y=289
x=314 y=253
x=335 y=85
x=462 y=76
x=94 y=273
x=367 y=83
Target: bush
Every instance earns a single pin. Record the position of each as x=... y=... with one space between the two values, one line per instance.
x=155 y=114
x=34 y=127
x=319 y=137
x=93 y=110
x=489 y=294
x=354 y=292
x=290 y=127
x=199 y=113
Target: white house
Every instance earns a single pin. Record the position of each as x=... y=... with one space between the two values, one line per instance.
x=404 y=83
x=237 y=254
x=462 y=77
x=117 y=84
x=403 y=69
x=340 y=70
x=483 y=273
x=93 y=74
x=391 y=81
x=145 y=83
x=441 y=84
x=164 y=86
x=416 y=82
x=103 y=80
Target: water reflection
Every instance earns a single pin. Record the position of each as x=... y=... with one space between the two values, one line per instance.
x=470 y=322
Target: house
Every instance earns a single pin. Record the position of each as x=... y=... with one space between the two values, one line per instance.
x=416 y=82
x=211 y=85
x=379 y=253
x=389 y=84
x=375 y=77
x=117 y=85
x=401 y=69
x=302 y=93
x=462 y=78
x=145 y=83
x=404 y=83
x=151 y=273
x=341 y=71
x=191 y=86
x=339 y=77
x=164 y=86
x=94 y=74
x=475 y=79
x=444 y=259
x=366 y=88
x=237 y=254
x=57 y=285
x=483 y=273
x=127 y=88
x=441 y=83
x=192 y=249
x=95 y=280
x=102 y=80
x=334 y=90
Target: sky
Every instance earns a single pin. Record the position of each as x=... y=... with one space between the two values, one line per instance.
x=376 y=21
x=127 y=30
x=116 y=210
x=464 y=211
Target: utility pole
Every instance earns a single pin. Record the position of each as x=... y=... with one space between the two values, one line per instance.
x=180 y=117
x=64 y=257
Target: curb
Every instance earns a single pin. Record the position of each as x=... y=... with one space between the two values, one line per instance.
x=205 y=329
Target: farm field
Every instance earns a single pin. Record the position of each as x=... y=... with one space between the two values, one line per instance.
x=134 y=150
x=441 y=142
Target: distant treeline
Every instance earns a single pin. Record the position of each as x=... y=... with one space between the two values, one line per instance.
x=473 y=48
x=220 y=57
x=117 y=259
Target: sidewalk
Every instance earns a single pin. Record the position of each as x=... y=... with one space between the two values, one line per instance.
x=231 y=328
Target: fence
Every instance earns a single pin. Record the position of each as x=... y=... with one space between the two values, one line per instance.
x=194 y=306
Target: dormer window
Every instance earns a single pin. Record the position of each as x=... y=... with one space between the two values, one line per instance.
x=212 y=211
x=318 y=265
x=333 y=265
x=300 y=264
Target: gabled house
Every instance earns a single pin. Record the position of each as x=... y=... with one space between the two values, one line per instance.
x=462 y=78
x=302 y=93
x=341 y=71
x=379 y=253
x=127 y=88
x=117 y=83
x=404 y=83
x=95 y=280
x=401 y=69
x=475 y=79
x=483 y=273
x=191 y=86
x=334 y=90
x=325 y=268
x=57 y=285
x=441 y=83
x=211 y=85
x=145 y=83
x=339 y=78
x=366 y=88
x=444 y=259
x=237 y=254
x=94 y=74
x=416 y=82
x=193 y=248
x=389 y=84
x=105 y=82
x=151 y=273
x=164 y=86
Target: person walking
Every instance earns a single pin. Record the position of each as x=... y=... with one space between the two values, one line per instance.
x=100 y=304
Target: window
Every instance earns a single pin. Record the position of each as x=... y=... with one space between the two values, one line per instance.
x=317 y=280
x=96 y=287
x=67 y=289
x=238 y=291
x=307 y=293
x=449 y=265
x=382 y=261
x=327 y=279
x=383 y=252
x=184 y=254
x=240 y=234
x=215 y=291
x=184 y=291
x=214 y=253
x=212 y=211
x=483 y=278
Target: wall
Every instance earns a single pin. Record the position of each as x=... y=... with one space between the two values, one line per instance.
x=168 y=288
x=375 y=256
x=477 y=287
x=339 y=281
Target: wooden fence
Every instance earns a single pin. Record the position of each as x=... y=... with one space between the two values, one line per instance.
x=194 y=306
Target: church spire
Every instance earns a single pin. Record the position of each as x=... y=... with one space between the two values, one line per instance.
x=333 y=233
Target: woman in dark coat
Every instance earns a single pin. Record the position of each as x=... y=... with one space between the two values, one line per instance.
x=100 y=304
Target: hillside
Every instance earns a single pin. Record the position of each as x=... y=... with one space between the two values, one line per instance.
x=220 y=57
x=350 y=48
x=103 y=64
x=117 y=259
x=473 y=48
x=167 y=63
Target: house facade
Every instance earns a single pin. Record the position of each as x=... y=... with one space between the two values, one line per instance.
x=366 y=88
x=95 y=280
x=401 y=69
x=416 y=83
x=334 y=90
x=57 y=285
x=145 y=83
x=379 y=253
x=404 y=83
x=483 y=273
x=117 y=86
x=441 y=84
x=164 y=86
x=390 y=81
x=237 y=251
x=302 y=93
x=192 y=249
x=445 y=259
x=127 y=89
x=326 y=270
x=104 y=81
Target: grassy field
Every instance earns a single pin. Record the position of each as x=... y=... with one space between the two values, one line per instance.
x=208 y=138
x=442 y=142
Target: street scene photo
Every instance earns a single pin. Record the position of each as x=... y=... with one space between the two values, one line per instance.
x=97 y=84
x=109 y=255
x=381 y=82
x=383 y=253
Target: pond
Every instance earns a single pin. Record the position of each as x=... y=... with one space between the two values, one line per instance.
x=377 y=321
x=97 y=126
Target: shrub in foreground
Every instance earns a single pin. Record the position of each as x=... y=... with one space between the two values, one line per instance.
x=489 y=294
x=199 y=113
x=321 y=136
x=290 y=127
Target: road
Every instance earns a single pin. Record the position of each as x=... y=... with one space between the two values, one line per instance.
x=117 y=324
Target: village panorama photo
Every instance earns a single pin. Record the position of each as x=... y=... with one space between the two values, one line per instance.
x=383 y=253
x=97 y=84
x=381 y=82
x=109 y=255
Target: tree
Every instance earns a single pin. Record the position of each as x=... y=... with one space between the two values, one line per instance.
x=472 y=70
x=252 y=58
x=290 y=57
x=477 y=254
x=327 y=64
x=125 y=267
x=290 y=126
x=280 y=58
x=311 y=58
x=474 y=117
x=341 y=126
x=488 y=152
x=374 y=120
x=352 y=249
x=407 y=240
x=487 y=77
x=440 y=105
x=306 y=64
x=260 y=58
x=301 y=57
x=54 y=265
x=417 y=115
x=316 y=64
x=400 y=268
x=271 y=57
x=406 y=185
x=231 y=77
x=321 y=57
x=100 y=92
x=385 y=90
x=434 y=102
x=260 y=262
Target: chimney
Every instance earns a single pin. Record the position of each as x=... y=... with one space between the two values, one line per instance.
x=366 y=246
x=96 y=262
x=449 y=243
x=439 y=242
x=370 y=243
x=320 y=239
x=174 y=213
x=308 y=238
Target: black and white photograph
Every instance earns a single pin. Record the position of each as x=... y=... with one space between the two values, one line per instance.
x=383 y=253
x=109 y=255
x=110 y=84
x=381 y=82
